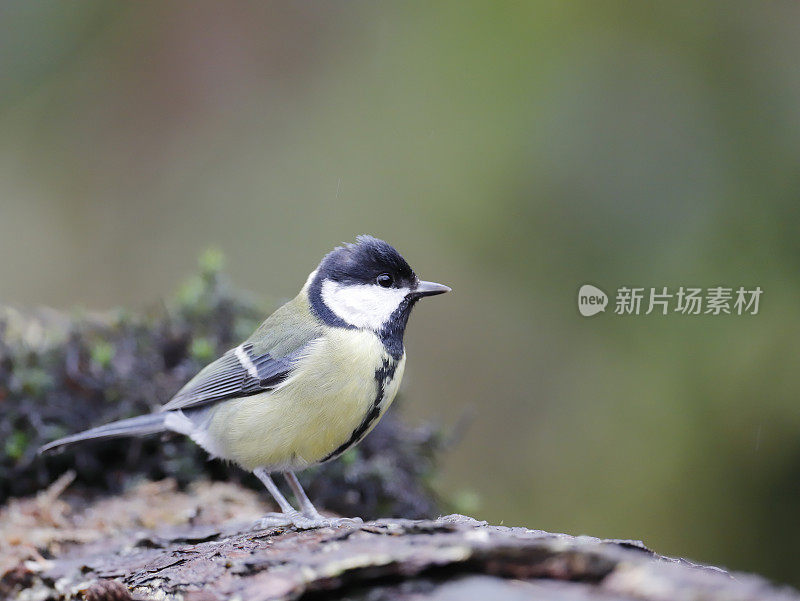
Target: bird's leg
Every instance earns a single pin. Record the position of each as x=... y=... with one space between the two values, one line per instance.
x=306 y=506
x=289 y=514
x=312 y=517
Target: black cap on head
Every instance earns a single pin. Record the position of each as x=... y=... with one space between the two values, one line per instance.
x=363 y=261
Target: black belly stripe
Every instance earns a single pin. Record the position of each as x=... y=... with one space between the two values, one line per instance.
x=382 y=375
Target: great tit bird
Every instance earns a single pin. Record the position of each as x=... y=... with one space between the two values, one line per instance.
x=311 y=381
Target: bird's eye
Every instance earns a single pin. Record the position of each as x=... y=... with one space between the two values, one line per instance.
x=385 y=280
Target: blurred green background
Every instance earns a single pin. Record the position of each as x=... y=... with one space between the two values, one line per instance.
x=512 y=150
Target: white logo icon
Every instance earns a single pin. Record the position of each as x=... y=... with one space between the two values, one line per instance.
x=591 y=300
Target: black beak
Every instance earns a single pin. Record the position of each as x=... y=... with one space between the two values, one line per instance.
x=429 y=289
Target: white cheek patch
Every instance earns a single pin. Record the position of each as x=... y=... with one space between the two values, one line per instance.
x=362 y=305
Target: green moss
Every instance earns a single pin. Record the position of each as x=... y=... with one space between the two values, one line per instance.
x=190 y=292
x=211 y=262
x=349 y=457
x=34 y=381
x=16 y=444
x=202 y=349
x=102 y=354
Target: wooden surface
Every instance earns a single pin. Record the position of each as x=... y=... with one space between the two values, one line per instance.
x=199 y=545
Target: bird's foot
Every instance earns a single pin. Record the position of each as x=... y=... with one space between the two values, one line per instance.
x=304 y=522
x=273 y=520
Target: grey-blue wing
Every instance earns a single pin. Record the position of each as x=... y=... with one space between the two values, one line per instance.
x=239 y=372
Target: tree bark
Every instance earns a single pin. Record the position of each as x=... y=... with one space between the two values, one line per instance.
x=453 y=557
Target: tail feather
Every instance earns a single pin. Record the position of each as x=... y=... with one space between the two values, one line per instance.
x=135 y=426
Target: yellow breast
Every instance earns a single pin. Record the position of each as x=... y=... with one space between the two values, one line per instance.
x=315 y=411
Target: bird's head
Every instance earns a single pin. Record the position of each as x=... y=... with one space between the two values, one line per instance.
x=367 y=285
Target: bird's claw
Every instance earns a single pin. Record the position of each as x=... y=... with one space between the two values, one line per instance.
x=272 y=520
x=302 y=522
